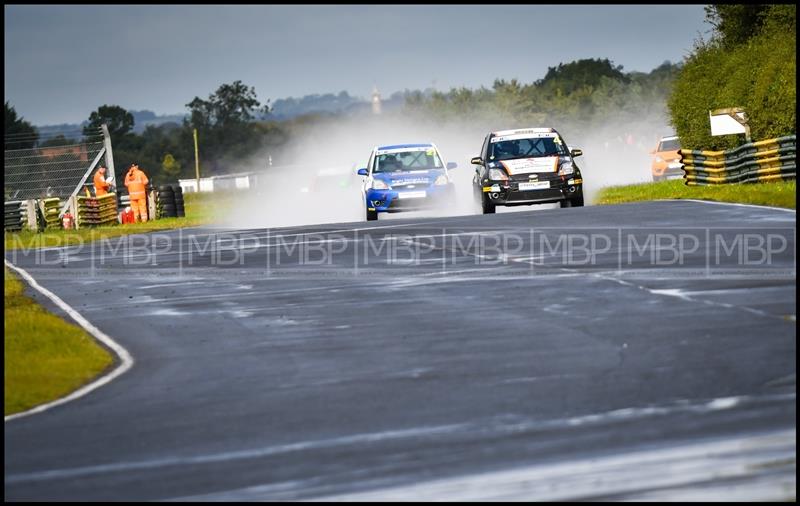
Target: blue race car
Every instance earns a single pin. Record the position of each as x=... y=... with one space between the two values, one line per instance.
x=405 y=177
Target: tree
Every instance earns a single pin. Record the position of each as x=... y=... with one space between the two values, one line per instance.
x=118 y=120
x=751 y=63
x=170 y=166
x=19 y=134
x=735 y=23
x=231 y=104
x=577 y=74
x=224 y=123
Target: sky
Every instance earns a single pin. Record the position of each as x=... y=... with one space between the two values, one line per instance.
x=62 y=62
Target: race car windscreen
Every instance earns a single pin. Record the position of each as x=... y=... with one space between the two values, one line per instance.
x=526 y=148
x=669 y=145
x=405 y=161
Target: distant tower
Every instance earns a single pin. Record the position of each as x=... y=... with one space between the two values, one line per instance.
x=376 y=101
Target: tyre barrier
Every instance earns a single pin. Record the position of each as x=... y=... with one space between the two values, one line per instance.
x=95 y=211
x=124 y=200
x=48 y=213
x=166 y=206
x=15 y=213
x=754 y=162
x=179 y=201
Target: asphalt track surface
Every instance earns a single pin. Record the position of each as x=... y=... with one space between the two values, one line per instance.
x=450 y=358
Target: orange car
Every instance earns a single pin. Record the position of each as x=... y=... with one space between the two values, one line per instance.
x=666 y=160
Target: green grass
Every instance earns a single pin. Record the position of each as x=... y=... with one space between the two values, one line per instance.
x=45 y=357
x=776 y=194
x=201 y=209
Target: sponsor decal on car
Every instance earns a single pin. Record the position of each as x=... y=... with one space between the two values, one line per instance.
x=528 y=165
x=524 y=131
x=403 y=150
x=538 y=185
x=410 y=180
x=411 y=195
x=524 y=136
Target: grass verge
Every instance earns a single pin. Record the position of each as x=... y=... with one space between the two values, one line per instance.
x=45 y=357
x=776 y=194
x=201 y=209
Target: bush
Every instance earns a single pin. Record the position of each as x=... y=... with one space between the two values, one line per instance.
x=757 y=75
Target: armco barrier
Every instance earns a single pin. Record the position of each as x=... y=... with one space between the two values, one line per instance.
x=768 y=160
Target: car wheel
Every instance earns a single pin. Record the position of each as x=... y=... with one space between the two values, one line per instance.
x=566 y=203
x=372 y=215
x=578 y=201
x=487 y=206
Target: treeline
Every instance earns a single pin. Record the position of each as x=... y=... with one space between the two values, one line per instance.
x=231 y=126
x=225 y=122
x=584 y=94
x=750 y=62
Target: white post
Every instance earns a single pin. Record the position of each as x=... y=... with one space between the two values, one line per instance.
x=73 y=204
x=151 y=205
x=109 y=154
x=196 y=161
x=30 y=207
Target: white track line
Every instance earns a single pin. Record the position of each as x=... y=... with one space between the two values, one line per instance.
x=732 y=204
x=125 y=359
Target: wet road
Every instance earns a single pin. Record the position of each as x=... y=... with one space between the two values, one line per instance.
x=413 y=357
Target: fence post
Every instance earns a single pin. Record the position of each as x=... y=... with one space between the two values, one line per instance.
x=30 y=208
x=109 y=154
x=83 y=180
x=151 y=205
x=73 y=206
x=196 y=161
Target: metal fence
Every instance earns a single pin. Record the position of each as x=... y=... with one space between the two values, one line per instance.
x=767 y=160
x=49 y=171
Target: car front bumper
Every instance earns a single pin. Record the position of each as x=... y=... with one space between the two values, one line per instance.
x=672 y=170
x=508 y=193
x=393 y=201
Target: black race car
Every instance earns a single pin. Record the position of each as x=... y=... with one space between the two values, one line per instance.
x=526 y=166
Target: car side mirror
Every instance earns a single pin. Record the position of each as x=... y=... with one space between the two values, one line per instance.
x=363 y=172
x=576 y=152
x=476 y=161
x=451 y=165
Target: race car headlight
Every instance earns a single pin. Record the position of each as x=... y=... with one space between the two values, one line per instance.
x=440 y=181
x=566 y=169
x=659 y=159
x=377 y=184
x=497 y=175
